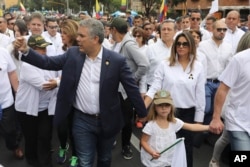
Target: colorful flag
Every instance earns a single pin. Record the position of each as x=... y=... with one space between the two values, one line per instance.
x=97 y=6
x=22 y=8
x=163 y=10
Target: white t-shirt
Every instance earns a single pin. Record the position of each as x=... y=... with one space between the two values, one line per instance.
x=6 y=65
x=237 y=77
x=159 y=140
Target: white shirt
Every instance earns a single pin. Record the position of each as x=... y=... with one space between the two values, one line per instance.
x=156 y=53
x=233 y=38
x=18 y=61
x=6 y=66
x=30 y=96
x=56 y=40
x=10 y=34
x=205 y=34
x=4 y=40
x=87 y=94
x=186 y=88
x=159 y=140
x=237 y=77
x=217 y=56
x=106 y=44
x=202 y=58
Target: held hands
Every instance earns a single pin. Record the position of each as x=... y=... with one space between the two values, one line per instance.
x=21 y=45
x=216 y=126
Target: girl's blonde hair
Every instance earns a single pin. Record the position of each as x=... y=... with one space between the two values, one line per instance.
x=152 y=114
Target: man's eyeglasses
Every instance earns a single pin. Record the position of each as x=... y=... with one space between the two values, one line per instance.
x=195 y=18
x=183 y=44
x=221 y=29
x=53 y=27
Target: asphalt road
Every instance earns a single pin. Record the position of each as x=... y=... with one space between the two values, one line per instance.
x=202 y=154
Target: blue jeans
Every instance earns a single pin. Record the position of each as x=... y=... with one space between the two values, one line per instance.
x=210 y=90
x=89 y=140
x=240 y=140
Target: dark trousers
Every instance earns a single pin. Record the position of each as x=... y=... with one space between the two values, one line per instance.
x=8 y=127
x=187 y=115
x=127 y=110
x=37 y=131
x=64 y=131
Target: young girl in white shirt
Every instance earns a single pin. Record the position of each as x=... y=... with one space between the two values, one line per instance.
x=160 y=131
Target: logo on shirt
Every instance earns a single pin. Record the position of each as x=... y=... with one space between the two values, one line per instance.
x=191 y=76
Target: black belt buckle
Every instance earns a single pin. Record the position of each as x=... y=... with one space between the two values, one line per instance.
x=96 y=116
x=213 y=80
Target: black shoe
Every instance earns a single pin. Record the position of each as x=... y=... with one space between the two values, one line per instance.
x=127 y=153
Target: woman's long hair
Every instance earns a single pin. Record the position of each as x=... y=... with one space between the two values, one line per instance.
x=192 y=49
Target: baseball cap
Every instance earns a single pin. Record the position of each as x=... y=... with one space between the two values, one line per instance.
x=119 y=23
x=163 y=96
x=37 y=41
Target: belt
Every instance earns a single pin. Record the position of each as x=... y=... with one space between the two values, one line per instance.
x=213 y=80
x=96 y=116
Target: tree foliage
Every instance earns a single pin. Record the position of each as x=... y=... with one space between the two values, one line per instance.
x=150 y=5
x=176 y=2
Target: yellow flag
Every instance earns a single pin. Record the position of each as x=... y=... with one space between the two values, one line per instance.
x=123 y=2
x=22 y=7
x=97 y=6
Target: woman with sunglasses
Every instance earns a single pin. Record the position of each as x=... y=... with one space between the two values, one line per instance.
x=183 y=76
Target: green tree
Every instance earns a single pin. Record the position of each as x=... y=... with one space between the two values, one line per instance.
x=150 y=5
x=177 y=2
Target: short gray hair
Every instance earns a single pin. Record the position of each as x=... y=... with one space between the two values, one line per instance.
x=95 y=28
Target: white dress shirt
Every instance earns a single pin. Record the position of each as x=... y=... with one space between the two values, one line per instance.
x=156 y=53
x=10 y=34
x=233 y=38
x=217 y=56
x=56 y=40
x=87 y=93
x=4 y=40
x=187 y=88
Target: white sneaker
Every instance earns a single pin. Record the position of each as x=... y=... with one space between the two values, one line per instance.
x=213 y=164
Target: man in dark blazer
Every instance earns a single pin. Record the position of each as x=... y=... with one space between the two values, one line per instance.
x=89 y=86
